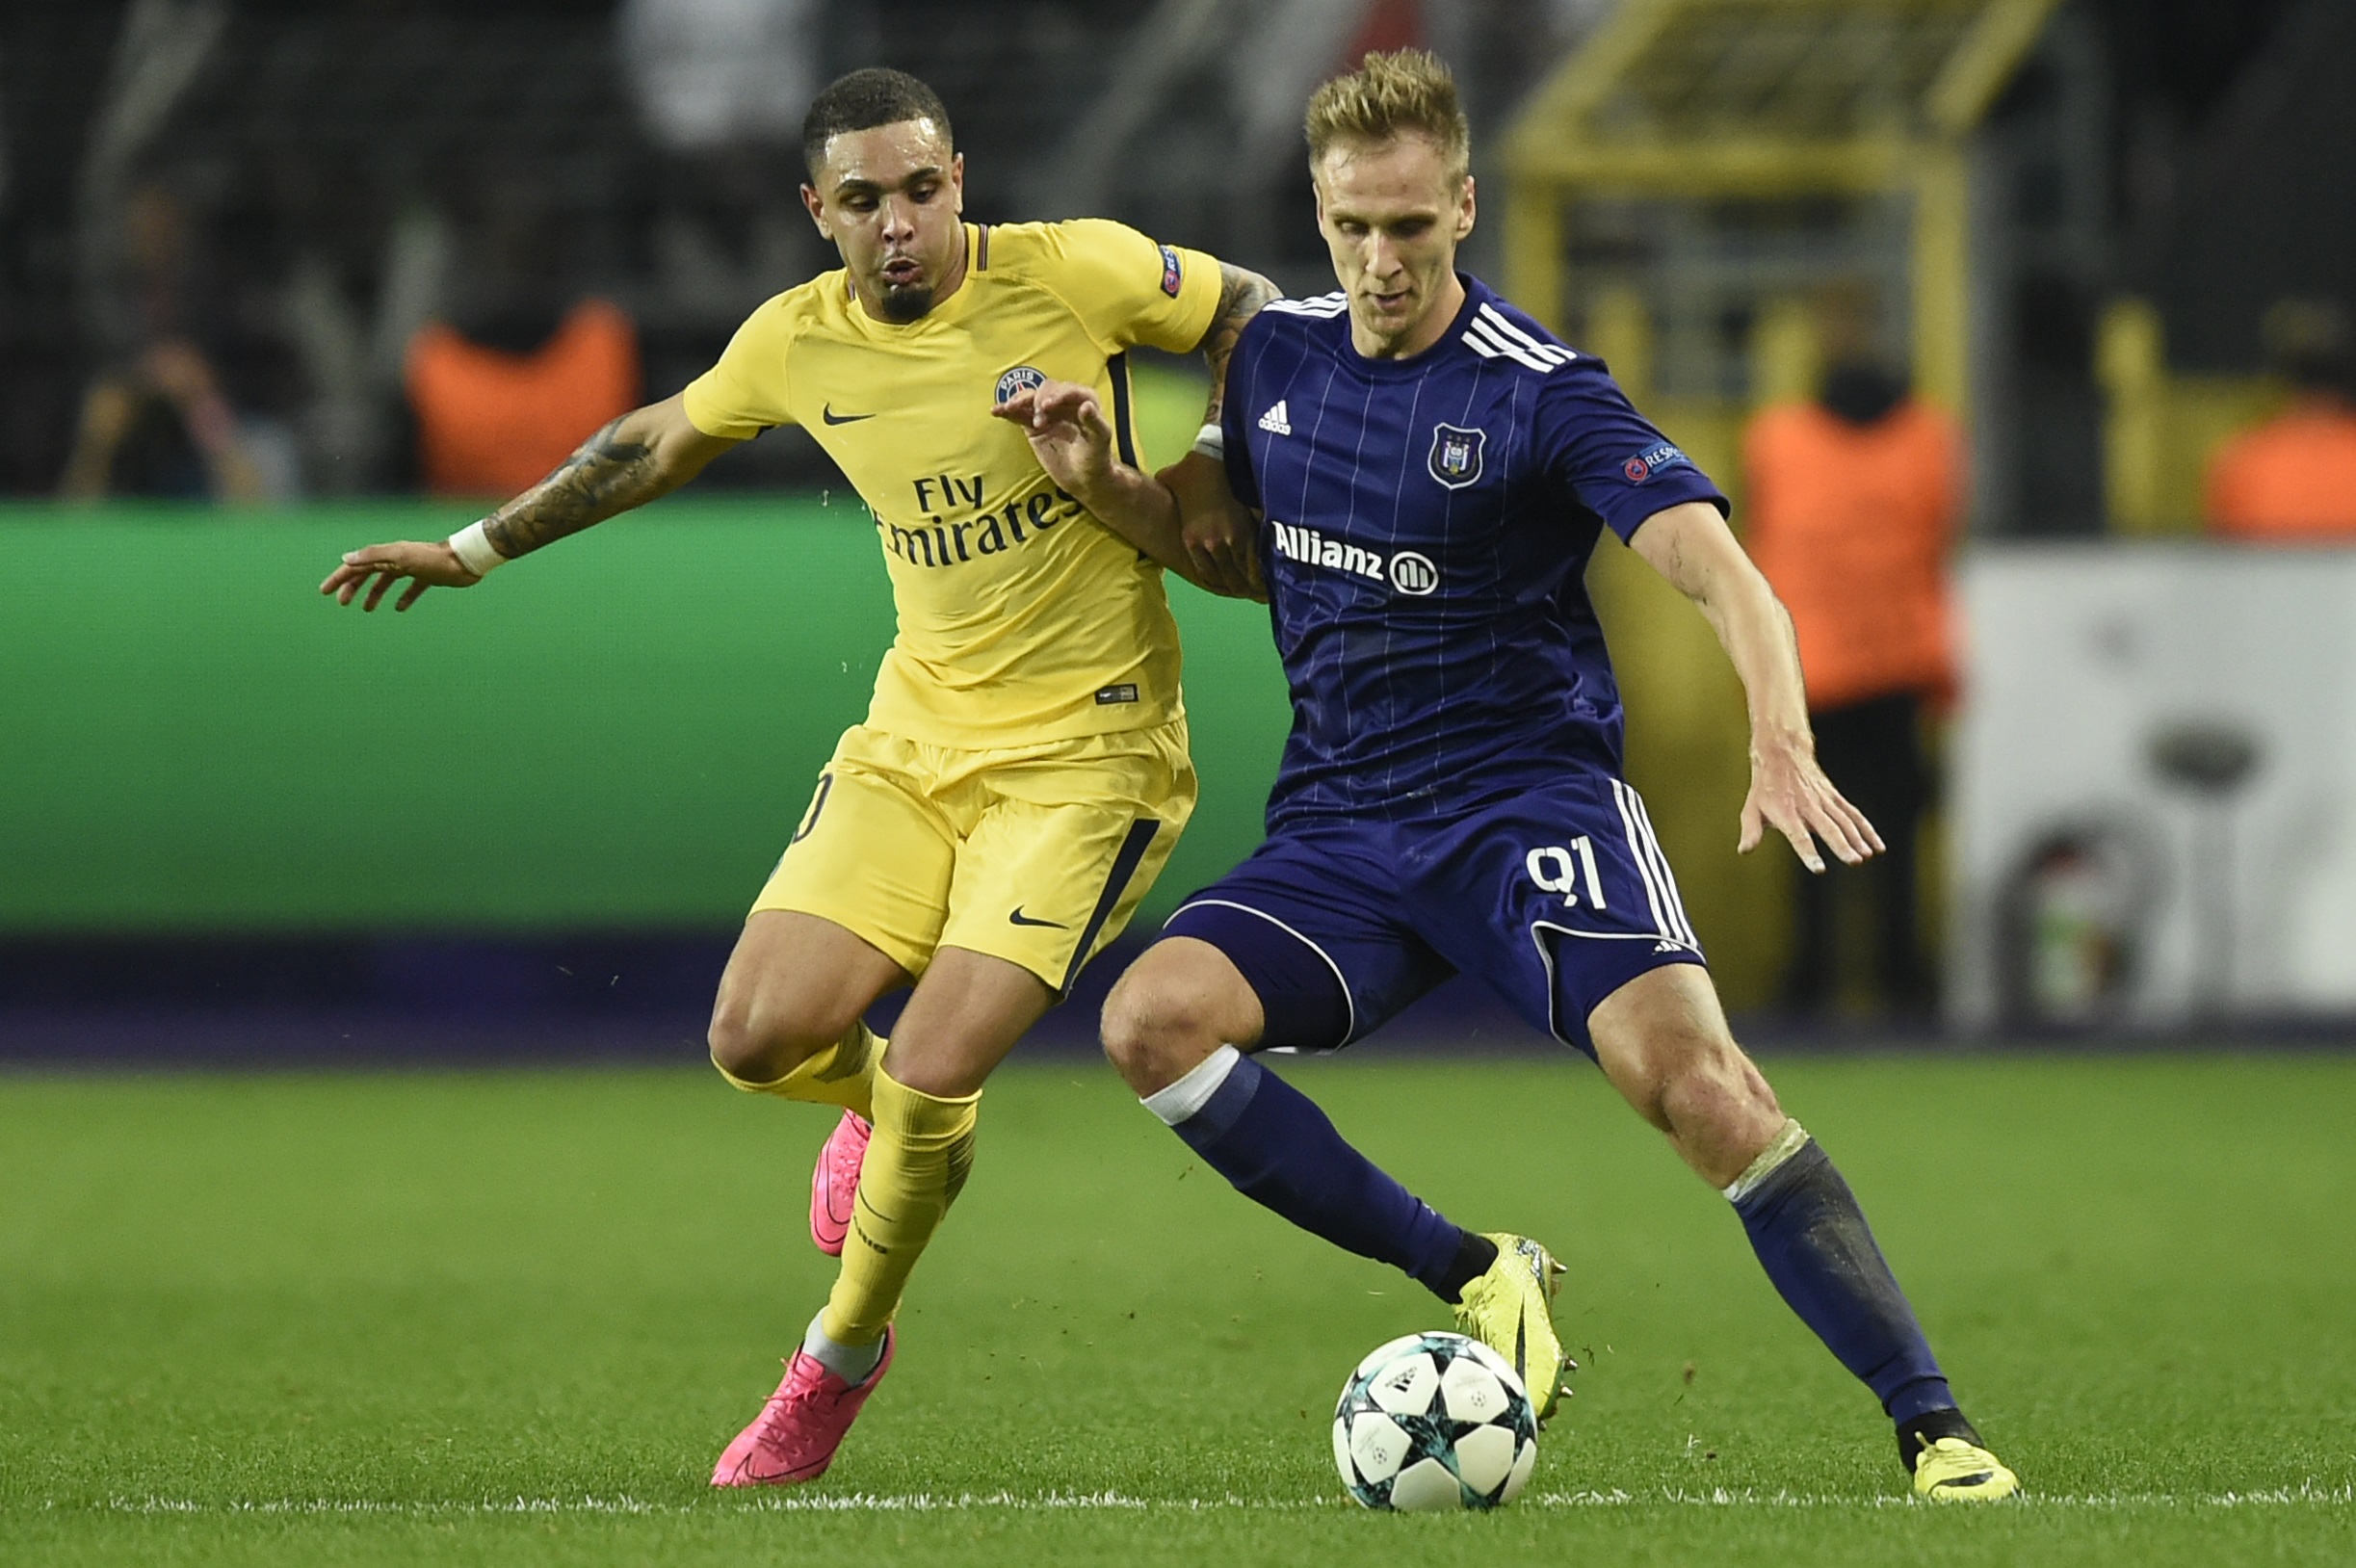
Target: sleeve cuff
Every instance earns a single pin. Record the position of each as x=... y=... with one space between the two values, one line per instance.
x=1628 y=514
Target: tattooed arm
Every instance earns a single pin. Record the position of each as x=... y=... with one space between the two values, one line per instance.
x=1241 y=294
x=644 y=453
x=1216 y=533
x=647 y=453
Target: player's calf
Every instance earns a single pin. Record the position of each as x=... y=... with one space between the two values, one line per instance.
x=1811 y=1237
x=1662 y=1042
x=1278 y=1148
x=1177 y=1026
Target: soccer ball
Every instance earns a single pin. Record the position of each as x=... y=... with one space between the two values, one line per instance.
x=1434 y=1420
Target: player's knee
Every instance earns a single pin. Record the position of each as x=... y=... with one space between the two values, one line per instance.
x=754 y=1045
x=1129 y=1030
x=1153 y=1034
x=1715 y=1091
x=738 y=1049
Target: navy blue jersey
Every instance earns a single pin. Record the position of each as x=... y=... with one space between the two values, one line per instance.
x=1427 y=527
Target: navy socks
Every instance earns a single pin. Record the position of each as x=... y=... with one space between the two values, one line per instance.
x=1814 y=1242
x=1278 y=1149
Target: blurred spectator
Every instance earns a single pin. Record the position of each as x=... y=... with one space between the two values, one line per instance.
x=492 y=419
x=712 y=73
x=1853 y=501
x=160 y=428
x=2293 y=480
x=159 y=421
x=526 y=366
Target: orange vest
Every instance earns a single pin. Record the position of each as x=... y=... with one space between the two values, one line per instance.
x=2293 y=480
x=492 y=424
x=1851 y=525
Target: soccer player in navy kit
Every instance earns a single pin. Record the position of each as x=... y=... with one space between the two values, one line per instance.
x=1432 y=470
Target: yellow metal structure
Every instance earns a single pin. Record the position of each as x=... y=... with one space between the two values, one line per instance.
x=1716 y=98
x=2164 y=430
x=1706 y=100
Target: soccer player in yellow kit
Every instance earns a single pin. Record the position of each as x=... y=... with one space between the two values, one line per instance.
x=1023 y=772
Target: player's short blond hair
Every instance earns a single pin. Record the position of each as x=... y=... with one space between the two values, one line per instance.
x=1408 y=93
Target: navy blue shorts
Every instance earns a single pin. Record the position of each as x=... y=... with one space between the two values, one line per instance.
x=1556 y=898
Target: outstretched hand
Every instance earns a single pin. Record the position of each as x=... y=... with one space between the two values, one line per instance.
x=379 y=566
x=1067 y=431
x=1791 y=793
x=1073 y=441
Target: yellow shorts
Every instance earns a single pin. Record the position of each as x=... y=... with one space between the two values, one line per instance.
x=1037 y=855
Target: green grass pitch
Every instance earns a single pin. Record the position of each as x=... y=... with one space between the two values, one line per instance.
x=510 y=1318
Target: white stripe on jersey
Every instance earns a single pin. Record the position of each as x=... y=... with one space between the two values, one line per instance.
x=1325 y=304
x=1507 y=332
x=1483 y=341
x=1661 y=864
x=1644 y=866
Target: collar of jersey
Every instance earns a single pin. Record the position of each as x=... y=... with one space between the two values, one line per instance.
x=1474 y=292
x=948 y=310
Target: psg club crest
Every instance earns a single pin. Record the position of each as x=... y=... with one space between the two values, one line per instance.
x=1455 y=455
x=1021 y=379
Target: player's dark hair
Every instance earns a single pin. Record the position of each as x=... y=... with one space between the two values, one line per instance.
x=863 y=100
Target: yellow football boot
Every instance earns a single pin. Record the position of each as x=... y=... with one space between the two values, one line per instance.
x=1950 y=1470
x=1506 y=1309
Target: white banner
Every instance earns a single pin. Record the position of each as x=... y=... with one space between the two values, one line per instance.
x=2154 y=791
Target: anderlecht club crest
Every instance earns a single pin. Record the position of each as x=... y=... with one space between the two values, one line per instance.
x=1455 y=455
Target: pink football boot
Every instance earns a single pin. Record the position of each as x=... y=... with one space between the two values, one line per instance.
x=835 y=1182
x=794 y=1436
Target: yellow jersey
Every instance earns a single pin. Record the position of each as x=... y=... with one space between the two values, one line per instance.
x=1022 y=619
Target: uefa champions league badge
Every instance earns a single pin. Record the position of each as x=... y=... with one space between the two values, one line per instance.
x=1645 y=465
x=1021 y=379
x=1455 y=455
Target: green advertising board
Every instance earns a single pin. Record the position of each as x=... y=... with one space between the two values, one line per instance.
x=620 y=734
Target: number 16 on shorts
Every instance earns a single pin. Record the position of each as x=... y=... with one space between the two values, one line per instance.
x=1567 y=869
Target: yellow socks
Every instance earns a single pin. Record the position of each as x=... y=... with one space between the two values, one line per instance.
x=840 y=1074
x=916 y=1162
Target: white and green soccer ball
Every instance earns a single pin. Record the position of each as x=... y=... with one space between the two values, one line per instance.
x=1434 y=1420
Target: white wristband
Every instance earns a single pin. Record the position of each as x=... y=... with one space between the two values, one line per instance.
x=1211 y=442
x=475 y=551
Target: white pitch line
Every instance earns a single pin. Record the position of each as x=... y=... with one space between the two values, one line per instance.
x=2305 y=1495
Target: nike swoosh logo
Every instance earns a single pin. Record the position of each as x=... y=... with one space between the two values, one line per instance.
x=1021 y=918
x=828 y=415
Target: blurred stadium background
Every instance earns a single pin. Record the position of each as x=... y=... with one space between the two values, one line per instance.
x=253 y=252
